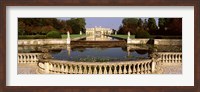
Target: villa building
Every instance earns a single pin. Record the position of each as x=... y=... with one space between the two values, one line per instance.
x=98 y=31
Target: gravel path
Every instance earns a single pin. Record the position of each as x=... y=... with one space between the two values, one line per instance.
x=171 y=68
x=27 y=68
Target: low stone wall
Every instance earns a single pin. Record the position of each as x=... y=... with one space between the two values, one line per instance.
x=167 y=41
x=137 y=41
x=155 y=41
x=42 y=41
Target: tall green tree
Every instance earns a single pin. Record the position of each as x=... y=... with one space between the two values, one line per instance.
x=162 y=26
x=140 y=23
x=174 y=26
x=152 y=26
x=77 y=24
x=129 y=25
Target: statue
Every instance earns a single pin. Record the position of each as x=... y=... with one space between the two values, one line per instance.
x=68 y=37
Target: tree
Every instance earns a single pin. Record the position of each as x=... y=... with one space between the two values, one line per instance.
x=174 y=26
x=152 y=25
x=162 y=26
x=140 y=23
x=76 y=24
x=21 y=28
x=145 y=25
x=129 y=25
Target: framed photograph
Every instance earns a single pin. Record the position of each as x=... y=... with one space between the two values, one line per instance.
x=99 y=45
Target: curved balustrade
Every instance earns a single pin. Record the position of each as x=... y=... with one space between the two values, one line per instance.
x=28 y=57
x=170 y=57
x=147 y=66
x=70 y=67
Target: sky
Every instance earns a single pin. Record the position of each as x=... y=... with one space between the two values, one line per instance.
x=107 y=22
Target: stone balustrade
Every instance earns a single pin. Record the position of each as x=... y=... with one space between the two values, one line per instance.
x=146 y=66
x=170 y=57
x=28 y=57
x=123 y=67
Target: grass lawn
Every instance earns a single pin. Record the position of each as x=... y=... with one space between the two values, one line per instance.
x=123 y=36
x=72 y=36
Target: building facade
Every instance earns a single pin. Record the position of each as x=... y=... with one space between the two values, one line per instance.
x=98 y=31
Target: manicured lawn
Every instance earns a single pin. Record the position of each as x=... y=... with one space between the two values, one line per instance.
x=72 y=36
x=123 y=36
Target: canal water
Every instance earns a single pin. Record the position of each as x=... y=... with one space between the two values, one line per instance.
x=98 y=53
x=90 y=53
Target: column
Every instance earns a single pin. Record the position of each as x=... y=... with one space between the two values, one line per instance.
x=68 y=37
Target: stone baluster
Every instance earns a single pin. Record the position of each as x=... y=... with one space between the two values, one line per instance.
x=100 y=70
x=105 y=69
x=71 y=69
x=148 y=68
x=24 y=59
x=172 y=58
x=75 y=69
x=85 y=69
x=165 y=58
x=134 y=69
x=80 y=69
x=178 y=57
x=115 y=69
x=66 y=69
x=129 y=69
x=145 y=68
x=110 y=69
x=61 y=68
x=90 y=70
x=142 y=68
x=175 y=58
x=95 y=69
x=138 y=68
x=120 y=69
x=50 y=67
x=125 y=71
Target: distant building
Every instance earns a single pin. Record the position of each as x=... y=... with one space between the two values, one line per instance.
x=98 y=31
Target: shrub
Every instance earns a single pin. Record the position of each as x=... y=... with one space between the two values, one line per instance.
x=142 y=34
x=53 y=34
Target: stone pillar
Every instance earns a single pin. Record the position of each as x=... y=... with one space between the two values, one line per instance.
x=46 y=65
x=68 y=37
x=129 y=34
x=115 y=32
x=153 y=66
x=128 y=38
x=45 y=58
x=80 y=32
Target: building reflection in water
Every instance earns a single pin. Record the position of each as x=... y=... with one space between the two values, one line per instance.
x=98 y=38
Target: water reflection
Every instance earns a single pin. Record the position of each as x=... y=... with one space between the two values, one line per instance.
x=74 y=52
x=111 y=53
x=99 y=38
